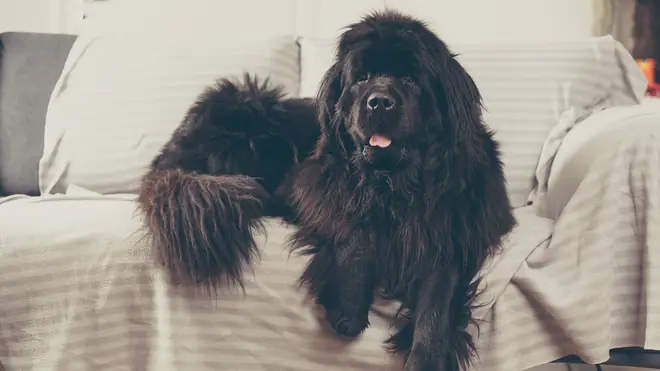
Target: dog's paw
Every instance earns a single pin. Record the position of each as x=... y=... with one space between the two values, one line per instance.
x=346 y=325
x=423 y=360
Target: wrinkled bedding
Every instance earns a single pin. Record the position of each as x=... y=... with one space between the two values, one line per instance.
x=596 y=285
x=78 y=290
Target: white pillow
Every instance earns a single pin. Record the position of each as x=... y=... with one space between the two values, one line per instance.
x=120 y=97
x=526 y=87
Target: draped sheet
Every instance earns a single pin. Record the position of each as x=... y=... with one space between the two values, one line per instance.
x=78 y=289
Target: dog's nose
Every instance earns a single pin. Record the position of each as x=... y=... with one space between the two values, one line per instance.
x=380 y=101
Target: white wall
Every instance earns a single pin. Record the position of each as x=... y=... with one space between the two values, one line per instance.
x=497 y=20
x=30 y=15
x=455 y=20
x=51 y=16
x=465 y=20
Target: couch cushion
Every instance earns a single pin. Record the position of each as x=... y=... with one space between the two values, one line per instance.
x=527 y=88
x=30 y=65
x=120 y=97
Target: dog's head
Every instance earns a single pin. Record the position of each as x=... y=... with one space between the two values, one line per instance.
x=393 y=89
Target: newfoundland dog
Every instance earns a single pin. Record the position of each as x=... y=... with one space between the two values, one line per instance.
x=393 y=180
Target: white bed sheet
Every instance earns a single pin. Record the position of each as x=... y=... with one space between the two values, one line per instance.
x=78 y=290
x=596 y=286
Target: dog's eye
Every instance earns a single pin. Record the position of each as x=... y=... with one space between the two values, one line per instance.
x=363 y=77
x=407 y=80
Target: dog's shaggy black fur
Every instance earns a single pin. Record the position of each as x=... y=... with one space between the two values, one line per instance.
x=208 y=190
x=396 y=185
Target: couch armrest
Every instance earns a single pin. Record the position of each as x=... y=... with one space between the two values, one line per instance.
x=598 y=134
x=30 y=64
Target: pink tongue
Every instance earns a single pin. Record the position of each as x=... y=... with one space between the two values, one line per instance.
x=379 y=141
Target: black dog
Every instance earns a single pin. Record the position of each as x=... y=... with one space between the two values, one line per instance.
x=399 y=189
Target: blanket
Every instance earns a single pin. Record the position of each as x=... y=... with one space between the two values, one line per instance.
x=78 y=289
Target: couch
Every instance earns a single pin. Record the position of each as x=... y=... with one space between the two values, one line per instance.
x=80 y=118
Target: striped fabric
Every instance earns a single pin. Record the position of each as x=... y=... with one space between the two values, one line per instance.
x=120 y=97
x=596 y=286
x=80 y=291
x=586 y=142
x=528 y=89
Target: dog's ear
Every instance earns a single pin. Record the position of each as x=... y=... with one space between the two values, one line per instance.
x=484 y=213
x=329 y=93
x=458 y=97
x=332 y=130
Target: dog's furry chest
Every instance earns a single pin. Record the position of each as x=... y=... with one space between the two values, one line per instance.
x=398 y=237
x=386 y=219
x=391 y=220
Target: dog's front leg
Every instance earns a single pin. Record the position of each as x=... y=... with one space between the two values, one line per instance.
x=440 y=339
x=347 y=293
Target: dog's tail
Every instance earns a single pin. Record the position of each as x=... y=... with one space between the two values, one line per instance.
x=202 y=226
x=200 y=210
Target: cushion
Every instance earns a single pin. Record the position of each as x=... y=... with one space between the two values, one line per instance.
x=120 y=97
x=30 y=65
x=596 y=136
x=526 y=88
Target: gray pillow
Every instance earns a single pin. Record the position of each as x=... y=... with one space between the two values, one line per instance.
x=30 y=65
